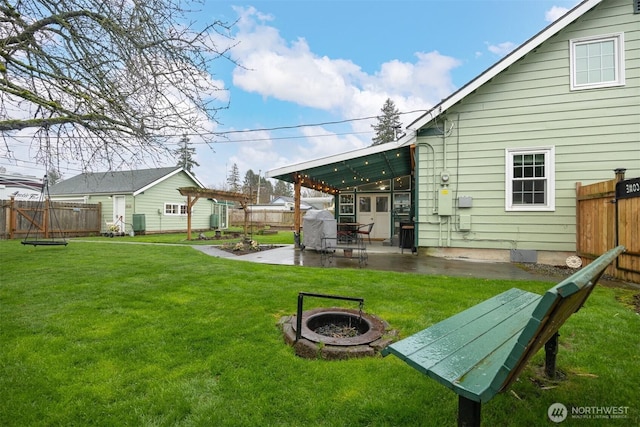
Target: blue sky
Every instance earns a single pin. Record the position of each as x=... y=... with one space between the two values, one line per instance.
x=314 y=62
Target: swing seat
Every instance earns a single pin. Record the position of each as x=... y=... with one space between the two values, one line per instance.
x=45 y=242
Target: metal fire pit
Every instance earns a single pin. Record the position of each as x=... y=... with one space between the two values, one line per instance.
x=369 y=328
x=372 y=334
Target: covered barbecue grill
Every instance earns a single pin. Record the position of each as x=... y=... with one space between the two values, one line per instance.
x=318 y=225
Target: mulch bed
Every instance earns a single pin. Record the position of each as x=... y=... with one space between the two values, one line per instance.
x=246 y=250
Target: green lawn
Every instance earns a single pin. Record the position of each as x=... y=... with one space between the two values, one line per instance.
x=110 y=334
x=280 y=237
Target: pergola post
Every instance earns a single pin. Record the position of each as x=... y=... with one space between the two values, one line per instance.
x=297 y=223
x=188 y=217
x=190 y=203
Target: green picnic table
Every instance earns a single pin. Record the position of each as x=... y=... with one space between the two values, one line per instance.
x=482 y=350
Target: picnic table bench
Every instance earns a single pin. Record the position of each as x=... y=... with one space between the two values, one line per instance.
x=481 y=351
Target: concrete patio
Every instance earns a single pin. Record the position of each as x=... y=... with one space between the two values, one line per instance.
x=388 y=258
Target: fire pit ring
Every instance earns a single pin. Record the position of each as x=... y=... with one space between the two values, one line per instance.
x=368 y=328
x=372 y=334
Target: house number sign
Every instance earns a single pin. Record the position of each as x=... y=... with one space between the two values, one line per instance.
x=628 y=188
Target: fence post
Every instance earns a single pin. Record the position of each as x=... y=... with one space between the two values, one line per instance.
x=12 y=217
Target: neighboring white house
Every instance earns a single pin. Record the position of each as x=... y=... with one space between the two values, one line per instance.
x=306 y=203
x=146 y=200
x=493 y=168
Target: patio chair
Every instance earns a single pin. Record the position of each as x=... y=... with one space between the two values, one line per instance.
x=366 y=230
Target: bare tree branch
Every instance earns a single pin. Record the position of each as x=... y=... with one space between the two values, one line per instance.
x=105 y=80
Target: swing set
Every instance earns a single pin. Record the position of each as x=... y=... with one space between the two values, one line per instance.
x=43 y=220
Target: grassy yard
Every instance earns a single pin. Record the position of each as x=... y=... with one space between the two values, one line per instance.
x=280 y=237
x=115 y=334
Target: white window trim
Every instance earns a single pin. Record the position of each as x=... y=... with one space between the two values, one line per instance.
x=550 y=172
x=179 y=205
x=618 y=39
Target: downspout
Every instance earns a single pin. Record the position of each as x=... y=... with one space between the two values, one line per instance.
x=444 y=145
x=444 y=168
x=455 y=124
x=434 y=205
x=414 y=203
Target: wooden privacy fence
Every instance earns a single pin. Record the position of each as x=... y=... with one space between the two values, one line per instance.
x=607 y=218
x=19 y=218
x=281 y=219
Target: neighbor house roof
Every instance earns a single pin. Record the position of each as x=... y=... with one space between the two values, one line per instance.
x=116 y=182
x=506 y=62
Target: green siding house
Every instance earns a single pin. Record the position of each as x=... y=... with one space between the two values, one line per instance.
x=145 y=200
x=508 y=148
x=494 y=166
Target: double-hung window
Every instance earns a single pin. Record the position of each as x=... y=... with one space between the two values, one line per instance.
x=530 y=180
x=597 y=61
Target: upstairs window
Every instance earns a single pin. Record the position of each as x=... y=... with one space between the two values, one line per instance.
x=597 y=62
x=530 y=180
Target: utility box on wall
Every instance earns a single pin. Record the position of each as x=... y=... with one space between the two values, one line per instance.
x=465 y=201
x=465 y=223
x=139 y=223
x=445 y=202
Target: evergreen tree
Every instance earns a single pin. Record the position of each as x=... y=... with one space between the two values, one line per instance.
x=387 y=125
x=185 y=155
x=283 y=188
x=250 y=184
x=233 y=180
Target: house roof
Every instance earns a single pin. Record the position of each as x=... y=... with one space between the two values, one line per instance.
x=116 y=182
x=505 y=63
x=286 y=200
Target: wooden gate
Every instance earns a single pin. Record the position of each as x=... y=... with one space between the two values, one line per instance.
x=608 y=214
x=19 y=218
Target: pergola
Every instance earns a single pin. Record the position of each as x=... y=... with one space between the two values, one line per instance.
x=343 y=172
x=195 y=193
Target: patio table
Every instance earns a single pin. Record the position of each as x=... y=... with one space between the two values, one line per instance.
x=348 y=231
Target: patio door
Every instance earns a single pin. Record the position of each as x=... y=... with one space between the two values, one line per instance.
x=375 y=208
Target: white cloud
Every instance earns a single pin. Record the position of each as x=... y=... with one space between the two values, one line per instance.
x=290 y=71
x=501 y=49
x=554 y=13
